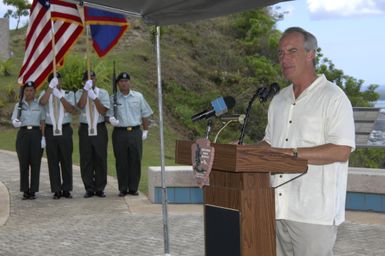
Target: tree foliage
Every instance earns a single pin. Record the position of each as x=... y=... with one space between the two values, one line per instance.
x=75 y=66
x=352 y=87
x=22 y=9
x=6 y=67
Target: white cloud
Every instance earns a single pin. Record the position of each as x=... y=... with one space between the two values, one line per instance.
x=345 y=8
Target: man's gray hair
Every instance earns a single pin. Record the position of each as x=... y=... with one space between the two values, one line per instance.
x=310 y=39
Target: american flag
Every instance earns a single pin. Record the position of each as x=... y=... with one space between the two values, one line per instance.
x=38 y=58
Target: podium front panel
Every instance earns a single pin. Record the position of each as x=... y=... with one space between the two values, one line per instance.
x=251 y=195
x=222 y=231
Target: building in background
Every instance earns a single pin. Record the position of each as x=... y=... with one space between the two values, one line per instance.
x=5 y=52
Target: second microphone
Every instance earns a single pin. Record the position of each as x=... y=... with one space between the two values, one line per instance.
x=219 y=106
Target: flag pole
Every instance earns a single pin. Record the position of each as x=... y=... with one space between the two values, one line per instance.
x=89 y=77
x=55 y=100
x=88 y=61
x=53 y=47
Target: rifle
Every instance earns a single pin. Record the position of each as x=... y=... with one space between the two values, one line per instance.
x=20 y=106
x=114 y=91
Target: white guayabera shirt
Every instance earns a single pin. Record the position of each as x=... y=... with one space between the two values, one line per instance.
x=322 y=114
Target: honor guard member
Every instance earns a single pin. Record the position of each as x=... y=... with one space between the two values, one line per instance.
x=132 y=110
x=58 y=105
x=28 y=116
x=93 y=137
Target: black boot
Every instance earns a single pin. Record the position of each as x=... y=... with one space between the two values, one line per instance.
x=26 y=195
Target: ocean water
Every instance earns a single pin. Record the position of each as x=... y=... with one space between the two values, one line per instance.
x=380 y=104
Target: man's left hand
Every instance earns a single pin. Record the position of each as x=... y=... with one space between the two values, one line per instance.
x=57 y=93
x=144 y=134
x=91 y=94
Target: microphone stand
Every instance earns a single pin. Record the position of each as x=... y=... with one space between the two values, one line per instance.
x=208 y=128
x=256 y=94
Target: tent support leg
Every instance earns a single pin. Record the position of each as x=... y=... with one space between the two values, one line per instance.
x=162 y=162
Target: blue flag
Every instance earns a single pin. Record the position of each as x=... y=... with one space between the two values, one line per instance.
x=106 y=28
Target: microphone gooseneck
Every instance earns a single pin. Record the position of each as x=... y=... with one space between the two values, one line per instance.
x=263 y=93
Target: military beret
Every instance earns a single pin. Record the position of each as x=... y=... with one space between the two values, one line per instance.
x=29 y=84
x=123 y=75
x=58 y=75
x=85 y=75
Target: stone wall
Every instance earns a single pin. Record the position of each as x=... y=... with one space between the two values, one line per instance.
x=365 y=188
x=4 y=38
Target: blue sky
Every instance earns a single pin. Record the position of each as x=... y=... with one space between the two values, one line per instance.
x=350 y=32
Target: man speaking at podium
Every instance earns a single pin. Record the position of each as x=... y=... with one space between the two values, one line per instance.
x=311 y=119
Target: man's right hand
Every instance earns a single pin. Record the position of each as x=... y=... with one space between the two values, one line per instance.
x=54 y=82
x=42 y=142
x=88 y=85
x=57 y=93
x=113 y=121
x=16 y=123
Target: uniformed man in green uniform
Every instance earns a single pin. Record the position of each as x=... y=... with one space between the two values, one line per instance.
x=93 y=137
x=29 y=142
x=58 y=105
x=132 y=111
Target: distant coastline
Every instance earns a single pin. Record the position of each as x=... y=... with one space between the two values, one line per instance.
x=379 y=104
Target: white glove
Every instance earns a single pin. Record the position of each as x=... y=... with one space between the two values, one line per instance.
x=91 y=94
x=16 y=123
x=144 y=134
x=113 y=121
x=57 y=93
x=54 y=82
x=88 y=85
x=43 y=142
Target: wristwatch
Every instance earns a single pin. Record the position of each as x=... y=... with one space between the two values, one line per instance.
x=295 y=152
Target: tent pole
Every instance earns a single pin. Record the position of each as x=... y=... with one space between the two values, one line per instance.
x=160 y=107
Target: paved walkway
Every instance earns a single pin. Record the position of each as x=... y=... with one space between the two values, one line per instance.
x=125 y=226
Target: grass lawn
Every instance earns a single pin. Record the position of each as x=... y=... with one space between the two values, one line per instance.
x=151 y=150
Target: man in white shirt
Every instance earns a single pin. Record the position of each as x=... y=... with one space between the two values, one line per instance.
x=311 y=119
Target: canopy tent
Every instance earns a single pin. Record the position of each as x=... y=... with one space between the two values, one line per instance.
x=168 y=12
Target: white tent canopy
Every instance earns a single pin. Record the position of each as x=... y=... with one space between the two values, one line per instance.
x=166 y=12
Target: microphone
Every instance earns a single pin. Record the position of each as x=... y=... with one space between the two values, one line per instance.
x=264 y=93
x=236 y=117
x=219 y=106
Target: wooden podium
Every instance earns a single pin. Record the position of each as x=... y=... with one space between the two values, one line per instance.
x=239 y=208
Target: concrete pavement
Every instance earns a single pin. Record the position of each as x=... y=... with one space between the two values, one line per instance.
x=125 y=226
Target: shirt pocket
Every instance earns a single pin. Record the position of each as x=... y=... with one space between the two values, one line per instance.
x=311 y=132
x=35 y=114
x=134 y=105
